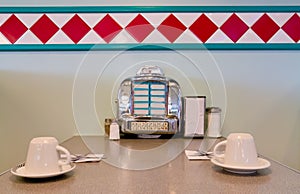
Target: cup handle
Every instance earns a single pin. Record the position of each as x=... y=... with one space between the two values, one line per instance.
x=68 y=160
x=222 y=143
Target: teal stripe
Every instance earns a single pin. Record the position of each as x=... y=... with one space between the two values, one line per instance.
x=140 y=89
x=141 y=102
x=147 y=9
x=174 y=46
x=157 y=89
x=161 y=96
x=140 y=95
x=154 y=108
x=140 y=108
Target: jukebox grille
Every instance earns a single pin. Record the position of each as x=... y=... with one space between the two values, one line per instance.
x=149 y=98
x=149 y=126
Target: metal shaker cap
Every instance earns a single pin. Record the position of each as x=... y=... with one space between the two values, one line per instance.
x=213 y=110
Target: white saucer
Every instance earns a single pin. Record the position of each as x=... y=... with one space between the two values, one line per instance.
x=261 y=164
x=20 y=171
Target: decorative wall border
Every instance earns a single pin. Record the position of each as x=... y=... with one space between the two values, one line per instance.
x=150 y=28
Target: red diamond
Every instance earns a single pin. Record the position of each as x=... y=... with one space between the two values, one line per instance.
x=234 y=27
x=139 y=28
x=44 y=28
x=203 y=28
x=265 y=27
x=76 y=28
x=107 y=28
x=13 y=29
x=292 y=27
x=171 y=28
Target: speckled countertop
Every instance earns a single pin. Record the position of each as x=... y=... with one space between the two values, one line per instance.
x=151 y=166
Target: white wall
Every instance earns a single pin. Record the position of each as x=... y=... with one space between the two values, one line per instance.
x=35 y=100
x=262 y=90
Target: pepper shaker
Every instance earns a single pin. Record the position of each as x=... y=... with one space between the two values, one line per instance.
x=107 y=123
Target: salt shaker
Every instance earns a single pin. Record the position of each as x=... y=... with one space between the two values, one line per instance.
x=214 y=122
x=114 y=131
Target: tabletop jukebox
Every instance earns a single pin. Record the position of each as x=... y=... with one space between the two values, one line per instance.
x=149 y=103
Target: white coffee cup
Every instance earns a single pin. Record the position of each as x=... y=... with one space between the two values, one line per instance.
x=43 y=156
x=240 y=150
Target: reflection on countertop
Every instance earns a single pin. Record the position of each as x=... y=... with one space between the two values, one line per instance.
x=151 y=166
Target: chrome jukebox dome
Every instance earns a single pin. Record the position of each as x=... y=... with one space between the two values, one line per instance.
x=149 y=103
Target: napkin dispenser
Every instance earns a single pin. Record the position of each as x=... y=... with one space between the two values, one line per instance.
x=194 y=116
x=149 y=103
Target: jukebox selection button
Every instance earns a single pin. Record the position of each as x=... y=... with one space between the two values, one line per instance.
x=158 y=86
x=141 y=111
x=141 y=92
x=158 y=92
x=158 y=112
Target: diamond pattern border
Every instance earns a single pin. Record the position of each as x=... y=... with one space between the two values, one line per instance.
x=228 y=29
